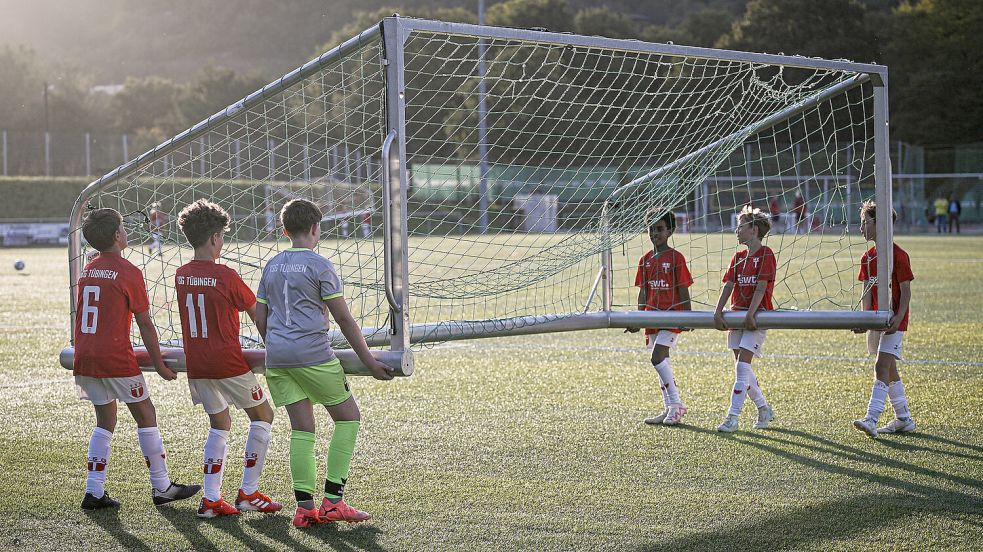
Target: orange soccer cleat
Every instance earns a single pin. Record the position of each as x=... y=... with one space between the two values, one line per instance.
x=209 y=509
x=304 y=517
x=339 y=511
x=257 y=502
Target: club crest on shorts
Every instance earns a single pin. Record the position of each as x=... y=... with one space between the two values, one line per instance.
x=257 y=392
x=136 y=390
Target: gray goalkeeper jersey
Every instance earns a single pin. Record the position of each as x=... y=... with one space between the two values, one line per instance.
x=294 y=286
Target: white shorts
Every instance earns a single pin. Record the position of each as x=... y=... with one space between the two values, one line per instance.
x=750 y=340
x=100 y=391
x=885 y=343
x=215 y=395
x=664 y=338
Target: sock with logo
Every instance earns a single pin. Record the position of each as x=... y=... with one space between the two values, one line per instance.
x=257 y=444
x=98 y=461
x=895 y=390
x=215 y=448
x=153 y=452
x=340 y=452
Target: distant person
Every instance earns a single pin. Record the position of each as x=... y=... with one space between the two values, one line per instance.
x=941 y=209
x=799 y=210
x=270 y=226
x=157 y=222
x=955 y=209
x=776 y=212
x=366 y=224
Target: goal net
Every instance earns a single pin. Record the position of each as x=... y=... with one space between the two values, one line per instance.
x=525 y=169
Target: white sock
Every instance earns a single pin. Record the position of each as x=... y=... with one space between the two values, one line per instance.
x=256 y=445
x=98 y=461
x=153 y=452
x=754 y=391
x=878 y=394
x=215 y=448
x=670 y=391
x=740 y=388
x=895 y=390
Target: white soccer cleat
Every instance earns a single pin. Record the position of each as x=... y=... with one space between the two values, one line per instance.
x=656 y=420
x=898 y=426
x=729 y=424
x=868 y=426
x=765 y=416
x=675 y=414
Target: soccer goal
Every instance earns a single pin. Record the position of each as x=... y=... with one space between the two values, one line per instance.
x=512 y=173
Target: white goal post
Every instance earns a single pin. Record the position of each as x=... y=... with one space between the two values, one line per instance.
x=513 y=173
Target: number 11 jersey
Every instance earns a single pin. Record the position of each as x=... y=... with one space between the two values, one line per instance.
x=210 y=297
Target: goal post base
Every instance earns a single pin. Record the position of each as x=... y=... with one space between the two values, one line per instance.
x=400 y=361
x=530 y=325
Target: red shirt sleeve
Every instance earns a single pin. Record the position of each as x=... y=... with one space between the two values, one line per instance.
x=136 y=292
x=902 y=266
x=729 y=275
x=639 y=276
x=239 y=293
x=769 y=266
x=863 y=277
x=683 y=277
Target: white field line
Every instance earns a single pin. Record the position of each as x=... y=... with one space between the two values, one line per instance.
x=690 y=353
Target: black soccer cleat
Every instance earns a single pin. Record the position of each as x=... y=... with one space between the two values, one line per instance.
x=175 y=491
x=92 y=503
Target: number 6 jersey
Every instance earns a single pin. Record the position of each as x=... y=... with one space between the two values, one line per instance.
x=110 y=290
x=210 y=297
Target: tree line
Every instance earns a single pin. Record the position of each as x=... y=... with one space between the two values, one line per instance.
x=930 y=46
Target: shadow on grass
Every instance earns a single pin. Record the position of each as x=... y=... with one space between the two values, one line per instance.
x=359 y=536
x=108 y=519
x=839 y=519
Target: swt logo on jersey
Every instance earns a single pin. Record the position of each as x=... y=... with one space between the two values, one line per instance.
x=659 y=284
x=747 y=280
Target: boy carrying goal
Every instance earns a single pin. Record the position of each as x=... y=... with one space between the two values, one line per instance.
x=210 y=298
x=110 y=293
x=885 y=344
x=297 y=290
x=663 y=280
x=749 y=281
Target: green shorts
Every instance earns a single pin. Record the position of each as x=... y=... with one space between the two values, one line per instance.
x=321 y=384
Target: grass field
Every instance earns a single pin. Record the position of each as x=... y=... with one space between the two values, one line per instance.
x=537 y=442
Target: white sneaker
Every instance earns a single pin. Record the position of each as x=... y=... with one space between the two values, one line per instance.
x=765 y=415
x=868 y=426
x=656 y=420
x=898 y=426
x=729 y=424
x=676 y=413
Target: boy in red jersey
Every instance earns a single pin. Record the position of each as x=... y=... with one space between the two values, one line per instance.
x=210 y=298
x=663 y=282
x=110 y=292
x=749 y=281
x=886 y=344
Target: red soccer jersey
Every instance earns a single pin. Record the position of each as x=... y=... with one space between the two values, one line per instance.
x=745 y=271
x=902 y=273
x=661 y=275
x=110 y=291
x=210 y=297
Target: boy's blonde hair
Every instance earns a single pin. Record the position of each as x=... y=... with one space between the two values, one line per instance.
x=201 y=220
x=100 y=226
x=869 y=208
x=757 y=217
x=298 y=215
